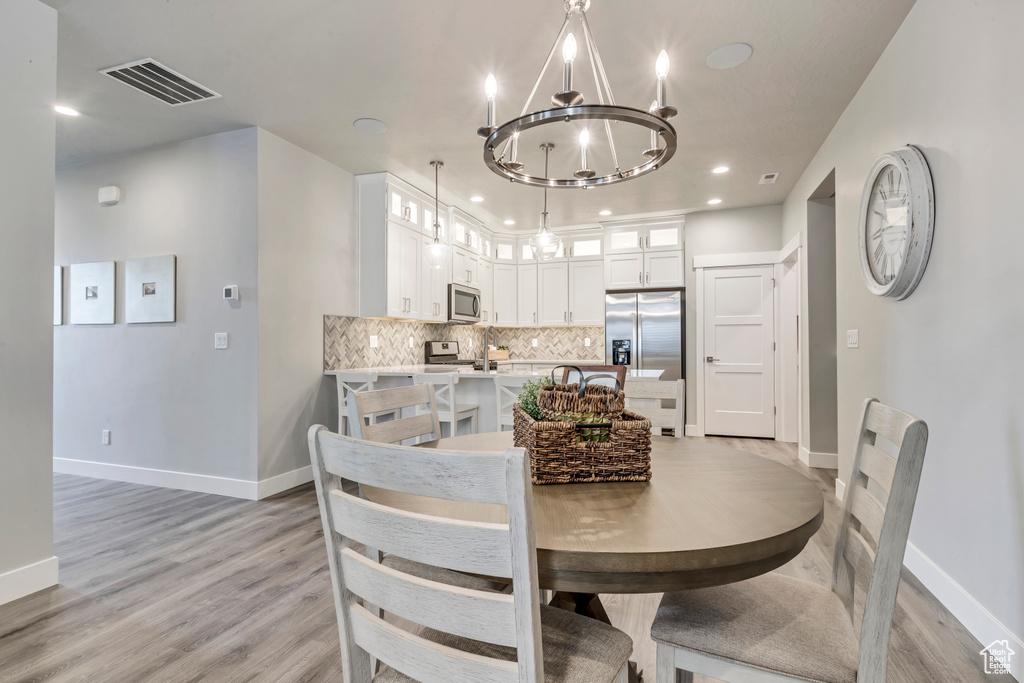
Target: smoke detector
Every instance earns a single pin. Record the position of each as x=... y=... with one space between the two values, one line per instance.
x=769 y=178
x=156 y=80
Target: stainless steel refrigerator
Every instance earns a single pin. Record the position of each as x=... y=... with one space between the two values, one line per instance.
x=644 y=330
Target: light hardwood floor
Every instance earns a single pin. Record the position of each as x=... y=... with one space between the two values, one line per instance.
x=164 y=585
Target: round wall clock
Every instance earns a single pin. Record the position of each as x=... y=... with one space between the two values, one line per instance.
x=897 y=218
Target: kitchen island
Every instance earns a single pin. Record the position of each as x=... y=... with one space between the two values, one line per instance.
x=473 y=387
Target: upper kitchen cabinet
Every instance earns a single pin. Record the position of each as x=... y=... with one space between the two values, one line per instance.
x=465 y=267
x=443 y=219
x=663 y=235
x=486 y=246
x=584 y=245
x=406 y=204
x=486 y=292
x=586 y=292
x=466 y=230
x=663 y=269
x=624 y=239
x=526 y=301
x=505 y=249
x=525 y=252
x=644 y=255
x=630 y=238
x=504 y=294
x=553 y=289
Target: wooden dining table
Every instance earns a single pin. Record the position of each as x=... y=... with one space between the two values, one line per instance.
x=710 y=515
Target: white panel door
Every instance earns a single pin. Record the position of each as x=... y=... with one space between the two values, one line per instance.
x=553 y=294
x=663 y=269
x=586 y=293
x=527 y=296
x=739 y=367
x=504 y=294
x=624 y=271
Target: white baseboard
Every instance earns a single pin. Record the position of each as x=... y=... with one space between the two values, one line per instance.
x=975 y=618
x=690 y=430
x=282 y=482
x=26 y=580
x=186 y=481
x=840 y=489
x=827 y=461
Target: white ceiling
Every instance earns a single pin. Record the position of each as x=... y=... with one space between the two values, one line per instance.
x=305 y=69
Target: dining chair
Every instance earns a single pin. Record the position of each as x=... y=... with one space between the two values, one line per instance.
x=449 y=410
x=776 y=628
x=364 y=406
x=646 y=397
x=618 y=370
x=507 y=390
x=461 y=634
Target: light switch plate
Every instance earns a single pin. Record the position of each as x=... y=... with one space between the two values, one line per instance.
x=105 y=437
x=534 y=343
x=220 y=340
x=586 y=341
x=373 y=341
x=852 y=339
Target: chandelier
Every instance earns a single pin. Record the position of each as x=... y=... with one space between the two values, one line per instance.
x=501 y=144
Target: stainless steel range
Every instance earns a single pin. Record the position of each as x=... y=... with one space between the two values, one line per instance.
x=447 y=353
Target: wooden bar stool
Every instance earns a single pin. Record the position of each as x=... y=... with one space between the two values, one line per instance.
x=449 y=410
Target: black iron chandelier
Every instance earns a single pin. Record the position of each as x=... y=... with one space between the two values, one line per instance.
x=501 y=145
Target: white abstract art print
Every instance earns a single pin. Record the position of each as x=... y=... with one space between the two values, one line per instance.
x=91 y=293
x=58 y=295
x=149 y=289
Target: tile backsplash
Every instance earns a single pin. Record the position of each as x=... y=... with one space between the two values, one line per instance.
x=347 y=342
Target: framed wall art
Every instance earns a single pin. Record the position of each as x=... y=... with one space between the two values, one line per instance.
x=91 y=293
x=149 y=289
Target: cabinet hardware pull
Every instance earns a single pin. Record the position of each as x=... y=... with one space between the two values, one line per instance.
x=565 y=317
x=641 y=278
x=570 y=251
x=570 y=316
x=648 y=277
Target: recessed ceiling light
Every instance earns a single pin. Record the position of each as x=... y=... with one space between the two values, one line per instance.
x=720 y=169
x=606 y=212
x=728 y=56
x=477 y=198
x=370 y=126
x=510 y=222
x=67 y=111
x=714 y=201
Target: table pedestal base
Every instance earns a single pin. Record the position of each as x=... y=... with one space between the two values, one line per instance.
x=589 y=605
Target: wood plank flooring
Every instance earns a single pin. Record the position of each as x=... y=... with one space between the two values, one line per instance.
x=165 y=585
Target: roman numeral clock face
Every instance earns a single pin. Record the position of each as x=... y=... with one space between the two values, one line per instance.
x=897 y=219
x=887 y=225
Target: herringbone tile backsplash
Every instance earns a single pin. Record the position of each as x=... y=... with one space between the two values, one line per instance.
x=347 y=342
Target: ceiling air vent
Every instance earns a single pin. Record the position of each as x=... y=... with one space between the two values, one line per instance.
x=156 y=80
x=769 y=179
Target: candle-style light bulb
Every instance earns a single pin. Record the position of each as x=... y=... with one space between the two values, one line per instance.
x=513 y=161
x=584 y=172
x=490 y=89
x=661 y=71
x=661 y=66
x=569 y=48
x=584 y=138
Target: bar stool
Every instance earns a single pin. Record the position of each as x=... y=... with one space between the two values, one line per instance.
x=449 y=411
x=507 y=389
x=347 y=383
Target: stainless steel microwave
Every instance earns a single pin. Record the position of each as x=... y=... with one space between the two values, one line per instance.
x=463 y=304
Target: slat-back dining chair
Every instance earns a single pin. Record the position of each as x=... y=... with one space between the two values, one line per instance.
x=618 y=370
x=449 y=410
x=364 y=404
x=775 y=628
x=467 y=634
x=646 y=397
x=507 y=390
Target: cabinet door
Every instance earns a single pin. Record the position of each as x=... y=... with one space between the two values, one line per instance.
x=624 y=239
x=504 y=250
x=667 y=236
x=405 y=206
x=524 y=252
x=412 y=260
x=505 y=312
x=486 y=292
x=586 y=293
x=585 y=245
x=460 y=266
x=434 y=291
x=473 y=266
x=393 y=269
x=623 y=271
x=527 y=296
x=553 y=294
x=663 y=269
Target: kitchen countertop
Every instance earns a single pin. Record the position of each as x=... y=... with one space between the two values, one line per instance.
x=468 y=371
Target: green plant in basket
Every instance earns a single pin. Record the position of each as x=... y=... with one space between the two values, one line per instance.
x=528 y=396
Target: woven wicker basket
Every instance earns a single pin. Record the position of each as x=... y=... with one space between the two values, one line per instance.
x=560 y=454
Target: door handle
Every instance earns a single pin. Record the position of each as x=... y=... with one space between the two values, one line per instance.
x=710 y=359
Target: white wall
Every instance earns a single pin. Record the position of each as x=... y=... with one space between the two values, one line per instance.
x=171 y=401
x=725 y=231
x=308 y=266
x=28 y=68
x=952 y=82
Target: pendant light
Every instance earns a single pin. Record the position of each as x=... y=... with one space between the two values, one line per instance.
x=546 y=245
x=437 y=253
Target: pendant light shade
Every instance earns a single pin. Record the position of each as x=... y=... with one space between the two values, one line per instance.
x=437 y=254
x=546 y=245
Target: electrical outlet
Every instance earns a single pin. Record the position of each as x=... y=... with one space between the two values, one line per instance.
x=220 y=340
x=535 y=343
x=852 y=339
x=586 y=341
x=373 y=341
x=411 y=343
x=469 y=344
x=105 y=437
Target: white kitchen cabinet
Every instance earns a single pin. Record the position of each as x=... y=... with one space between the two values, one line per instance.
x=486 y=246
x=505 y=294
x=553 y=294
x=663 y=236
x=428 y=222
x=434 y=291
x=624 y=271
x=524 y=252
x=586 y=292
x=504 y=249
x=406 y=204
x=526 y=300
x=465 y=267
x=404 y=256
x=584 y=245
x=486 y=292
x=624 y=239
x=663 y=269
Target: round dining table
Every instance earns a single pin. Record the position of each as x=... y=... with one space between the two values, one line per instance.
x=710 y=515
